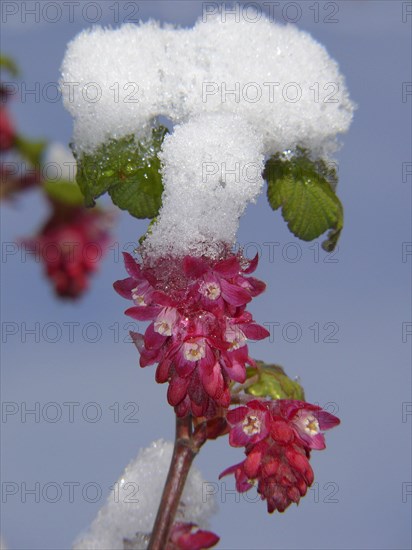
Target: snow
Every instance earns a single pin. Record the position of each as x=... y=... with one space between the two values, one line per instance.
x=237 y=91
x=206 y=182
x=132 y=505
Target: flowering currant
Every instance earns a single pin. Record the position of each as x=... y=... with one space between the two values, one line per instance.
x=72 y=244
x=278 y=437
x=199 y=325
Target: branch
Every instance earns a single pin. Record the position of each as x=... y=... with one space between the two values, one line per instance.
x=185 y=450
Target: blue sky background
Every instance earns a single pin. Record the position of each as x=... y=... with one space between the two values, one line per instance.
x=361 y=499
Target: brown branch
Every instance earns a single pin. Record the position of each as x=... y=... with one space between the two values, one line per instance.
x=185 y=450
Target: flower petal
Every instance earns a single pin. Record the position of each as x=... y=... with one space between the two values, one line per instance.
x=327 y=420
x=137 y=340
x=183 y=537
x=142 y=313
x=182 y=366
x=152 y=339
x=234 y=294
x=253 y=331
x=252 y=265
x=231 y=470
x=162 y=371
x=237 y=437
x=253 y=463
x=132 y=267
x=317 y=442
x=235 y=370
x=235 y=416
x=257 y=286
x=149 y=357
x=212 y=379
x=124 y=287
x=228 y=268
x=208 y=361
x=177 y=390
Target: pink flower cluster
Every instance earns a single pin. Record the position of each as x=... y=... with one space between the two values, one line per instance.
x=199 y=325
x=278 y=437
x=13 y=178
x=7 y=129
x=71 y=245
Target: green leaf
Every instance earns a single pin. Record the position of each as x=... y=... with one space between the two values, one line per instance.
x=128 y=170
x=65 y=192
x=305 y=190
x=8 y=64
x=30 y=150
x=273 y=382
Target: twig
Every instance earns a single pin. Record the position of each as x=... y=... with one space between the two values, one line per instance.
x=185 y=450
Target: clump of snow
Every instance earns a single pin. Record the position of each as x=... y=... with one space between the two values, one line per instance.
x=111 y=82
x=115 y=81
x=272 y=79
x=212 y=167
x=132 y=505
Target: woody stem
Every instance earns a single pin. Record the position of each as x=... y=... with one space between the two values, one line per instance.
x=184 y=452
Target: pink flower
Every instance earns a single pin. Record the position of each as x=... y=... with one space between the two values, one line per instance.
x=237 y=331
x=187 y=536
x=7 y=131
x=222 y=285
x=308 y=421
x=277 y=436
x=71 y=245
x=199 y=326
x=250 y=424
